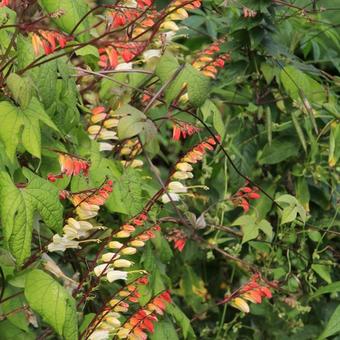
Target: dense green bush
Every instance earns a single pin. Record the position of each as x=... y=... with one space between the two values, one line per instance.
x=170 y=169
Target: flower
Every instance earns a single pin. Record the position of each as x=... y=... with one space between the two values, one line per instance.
x=183 y=129
x=240 y=304
x=47 y=40
x=177 y=187
x=78 y=229
x=62 y=243
x=170 y=197
x=4 y=3
x=240 y=199
x=100 y=334
x=114 y=275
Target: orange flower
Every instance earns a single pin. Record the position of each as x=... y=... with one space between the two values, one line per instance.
x=48 y=41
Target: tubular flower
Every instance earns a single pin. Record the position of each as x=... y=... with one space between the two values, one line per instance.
x=178 y=237
x=70 y=165
x=243 y=195
x=183 y=129
x=254 y=291
x=105 y=123
x=207 y=63
x=143 y=320
x=183 y=169
x=47 y=40
x=121 y=17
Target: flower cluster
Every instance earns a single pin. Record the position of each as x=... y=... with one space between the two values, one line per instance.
x=104 y=128
x=183 y=129
x=243 y=195
x=183 y=169
x=253 y=291
x=143 y=320
x=178 y=237
x=119 y=53
x=70 y=165
x=207 y=63
x=109 y=320
x=78 y=230
x=47 y=40
x=115 y=250
x=249 y=13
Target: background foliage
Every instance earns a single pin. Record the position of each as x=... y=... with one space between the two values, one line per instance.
x=275 y=104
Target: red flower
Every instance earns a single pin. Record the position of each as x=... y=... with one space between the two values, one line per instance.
x=108 y=57
x=240 y=199
x=4 y=3
x=184 y=129
x=48 y=41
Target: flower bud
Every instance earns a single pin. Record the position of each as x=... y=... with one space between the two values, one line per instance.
x=94 y=129
x=137 y=243
x=98 y=118
x=115 y=245
x=122 y=263
x=108 y=257
x=129 y=251
x=110 y=123
x=122 y=234
x=113 y=321
x=184 y=167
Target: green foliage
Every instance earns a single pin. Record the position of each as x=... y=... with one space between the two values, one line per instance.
x=52 y=302
x=263 y=75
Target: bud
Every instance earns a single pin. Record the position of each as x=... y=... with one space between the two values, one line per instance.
x=98 y=118
x=129 y=251
x=137 y=243
x=184 y=167
x=94 y=129
x=122 y=234
x=122 y=263
x=108 y=257
x=240 y=304
x=113 y=321
x=110 y=123
x=115 y=245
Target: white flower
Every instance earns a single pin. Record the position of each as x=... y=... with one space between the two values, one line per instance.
x=86 y=211
x=184 y=166
x=100 y=334
x=177 y=187
x=151 y=54
x=111 y=274
x=124 y=66
x=108 y=257
x=105 y=146
x=173 y=197
x=106 y=134
x=62 y=243
x=77 y=229
x=122 y=263
x=182 y=175
x=114 y=275
x=101 y=269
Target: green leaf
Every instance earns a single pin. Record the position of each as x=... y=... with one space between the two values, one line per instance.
x=19 y=207
x=21 y=89
x=15 y=119
x=250 y=227
x=323 y=271
x=11 y=123
x=278 y=151
x=198 y=86
x=53 y=303
x=73 y=11
x=291 y=207
x=164 y=330
x=182 y=320
x=333 y=325
x=132 y=123
x=330 y=288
